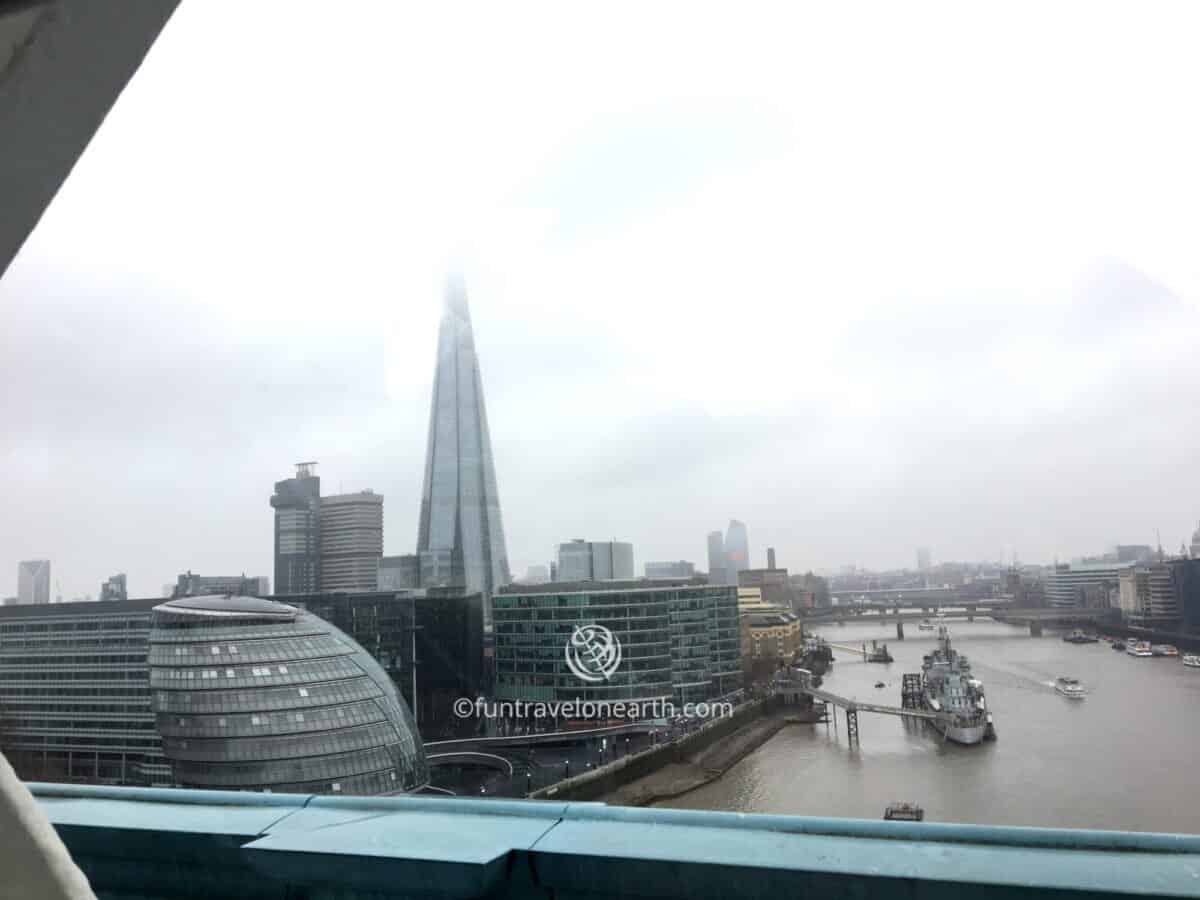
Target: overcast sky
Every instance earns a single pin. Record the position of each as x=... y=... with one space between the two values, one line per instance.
x=865 y=278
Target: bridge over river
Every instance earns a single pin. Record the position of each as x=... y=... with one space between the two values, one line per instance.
x=1000 y=609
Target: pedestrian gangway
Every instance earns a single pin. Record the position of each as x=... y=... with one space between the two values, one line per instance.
x=857 y=651
x=854 y=707
x=857 y=705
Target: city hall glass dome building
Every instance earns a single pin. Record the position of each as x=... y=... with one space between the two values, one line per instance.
x=251 y=694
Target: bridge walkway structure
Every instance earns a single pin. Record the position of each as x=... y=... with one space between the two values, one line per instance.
x=573 y=736
x=853 y=707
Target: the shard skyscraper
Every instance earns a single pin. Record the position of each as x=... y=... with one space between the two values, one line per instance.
x=460 y=539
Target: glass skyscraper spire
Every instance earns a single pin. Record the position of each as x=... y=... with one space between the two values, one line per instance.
x=460 y=538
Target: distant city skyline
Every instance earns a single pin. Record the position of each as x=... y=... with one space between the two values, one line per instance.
x=1111 y=549
x=980 y=365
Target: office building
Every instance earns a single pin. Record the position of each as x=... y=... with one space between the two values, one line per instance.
x=924 y=559
x=1148 y=597
x=770 y=557
x=750 y=598
x=191 y=585
x=1186 y=573
x=351 y=541
x=1082 y=585
x=774 y=585
x=115 y=588
x=297 y=505
x=537 y=575
x=443 y=627
x=460 y=536
x=1163 y=594
x=1140 y=553
x=252 y=694
x=575 y=561
x=1194 y=548
x=737 y=549
x=679 y=642
x=802 y=599
x=75 y=693
x=718 y=564
x=398 y=573
x=581 y=560
x=678 y=569
x=33 y=581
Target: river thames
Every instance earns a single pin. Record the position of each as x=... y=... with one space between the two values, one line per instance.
x=1123 y=758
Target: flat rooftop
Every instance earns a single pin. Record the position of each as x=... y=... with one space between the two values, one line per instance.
x=592 y=587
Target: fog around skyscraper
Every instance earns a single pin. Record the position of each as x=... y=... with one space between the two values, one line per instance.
x=971 y=339
x=460 y=533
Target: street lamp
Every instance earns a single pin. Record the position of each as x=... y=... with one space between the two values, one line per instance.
x=414 y=628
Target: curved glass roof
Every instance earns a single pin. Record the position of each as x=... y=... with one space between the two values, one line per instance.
x=228 y=605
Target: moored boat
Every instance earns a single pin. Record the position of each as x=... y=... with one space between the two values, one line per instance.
x=1191 y=660
x=904 y=812
x=947 y=686
x=1139 y=648
x=1164 y=650
x=877 y=654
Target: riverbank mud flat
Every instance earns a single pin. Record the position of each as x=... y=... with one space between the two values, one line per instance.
x=675 y=779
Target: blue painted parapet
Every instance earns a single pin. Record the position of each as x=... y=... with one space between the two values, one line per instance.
x=137 y=842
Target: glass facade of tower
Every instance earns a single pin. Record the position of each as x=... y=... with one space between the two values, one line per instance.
x=679 y=643
x=75 y=700
x=737 y=549
x=297 y=505
x=250 y=694
x=460 y=535
x=718 y=564
x=33 y=581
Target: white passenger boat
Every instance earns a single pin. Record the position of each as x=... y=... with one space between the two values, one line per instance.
x=1070 y=687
